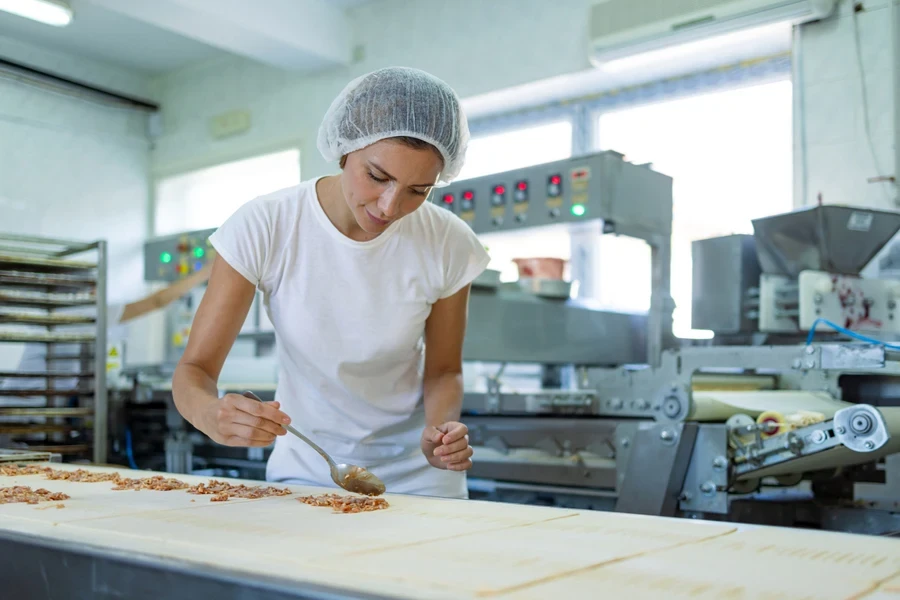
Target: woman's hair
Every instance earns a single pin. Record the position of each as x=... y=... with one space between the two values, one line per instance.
x=414 y=143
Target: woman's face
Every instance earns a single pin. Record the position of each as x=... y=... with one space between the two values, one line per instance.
x=386 y=181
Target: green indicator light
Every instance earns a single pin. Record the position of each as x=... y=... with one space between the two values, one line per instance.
x=199 y=252
x=165 y=258
x=578 y=210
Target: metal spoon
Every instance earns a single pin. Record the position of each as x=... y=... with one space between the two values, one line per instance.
x=350 y=477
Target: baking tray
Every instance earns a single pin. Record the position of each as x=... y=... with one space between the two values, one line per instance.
x=44 y=264
x=24 y=393
x=43 y=374
x=45 y=300
x=46 y=338
x=46 y=319
x=546 y=288
x=35 y=428
x=42 y=411
x=8 y=455
x=62 y=448
x=488 y=279
x=43 y=280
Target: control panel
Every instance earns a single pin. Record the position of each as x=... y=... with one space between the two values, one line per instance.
x=175 y=257
x=598 y=186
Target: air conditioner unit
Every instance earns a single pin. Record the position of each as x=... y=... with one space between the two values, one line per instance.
x=621 y=28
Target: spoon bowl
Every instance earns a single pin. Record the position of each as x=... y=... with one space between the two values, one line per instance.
x=350 y=477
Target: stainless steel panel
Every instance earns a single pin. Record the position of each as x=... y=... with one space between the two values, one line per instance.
x=836 y=239
x=656 y=468
x=518 y=328
x=622 y=194
x=706 y=481
x=724 y=271
x=563 y=472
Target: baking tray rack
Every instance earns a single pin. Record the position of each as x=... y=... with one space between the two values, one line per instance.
x=52 y=294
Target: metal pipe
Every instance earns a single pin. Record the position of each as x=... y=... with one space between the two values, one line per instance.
x=101 y=404
x=21 y=70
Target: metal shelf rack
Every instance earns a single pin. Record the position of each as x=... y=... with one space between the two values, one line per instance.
x=53 y=294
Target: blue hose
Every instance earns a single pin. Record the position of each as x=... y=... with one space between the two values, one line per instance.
x=129 y=450
x=848 y=333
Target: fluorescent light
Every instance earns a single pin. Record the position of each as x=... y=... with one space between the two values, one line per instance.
x=699 y=47
x=51 y=12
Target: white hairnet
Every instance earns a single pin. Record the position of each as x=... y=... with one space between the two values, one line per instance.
x=394 y=102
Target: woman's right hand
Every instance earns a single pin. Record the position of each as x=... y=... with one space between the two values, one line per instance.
x=236 y=420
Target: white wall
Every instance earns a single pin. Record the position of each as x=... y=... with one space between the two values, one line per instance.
x=476 y=46
x=482 y=46
x=75 y=169
x=829 y=97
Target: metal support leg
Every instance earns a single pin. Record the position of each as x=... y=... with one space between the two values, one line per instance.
x=179 y=453
x=706 y=481
x=656 y=468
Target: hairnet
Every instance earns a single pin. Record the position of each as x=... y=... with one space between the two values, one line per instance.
x=393 y=102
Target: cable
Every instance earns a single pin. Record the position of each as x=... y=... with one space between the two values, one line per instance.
x=129 y=450
x=865 y=99
x=848 y=333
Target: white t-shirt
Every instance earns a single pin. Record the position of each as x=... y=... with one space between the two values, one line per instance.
x=349 y=321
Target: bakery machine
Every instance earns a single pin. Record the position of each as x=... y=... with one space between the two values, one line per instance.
x=760 y=425
x=798 y=272
x=586 y=407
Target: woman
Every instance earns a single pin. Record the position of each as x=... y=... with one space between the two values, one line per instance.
x=367 y=287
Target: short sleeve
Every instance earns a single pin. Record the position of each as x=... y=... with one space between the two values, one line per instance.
x=243 y=241
x=464 y=257
x=114 y=312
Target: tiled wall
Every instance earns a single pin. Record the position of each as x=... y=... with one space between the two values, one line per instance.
x=838 y=156
x=74 y=169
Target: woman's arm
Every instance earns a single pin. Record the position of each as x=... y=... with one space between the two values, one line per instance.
x=232 y=420
x=165 y=296
x=445 y=440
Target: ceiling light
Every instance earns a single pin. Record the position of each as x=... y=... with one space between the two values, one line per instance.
x=51 y=12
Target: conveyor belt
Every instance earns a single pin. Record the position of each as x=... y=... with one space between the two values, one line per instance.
x=176 y=545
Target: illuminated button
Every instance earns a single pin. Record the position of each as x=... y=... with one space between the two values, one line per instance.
x=165 y=258
x=198 y=265
x=468 y=200
x=199 y=252
x=554 y=186
x=520 y=194
x=498 y=195
x=448 y=201
x=578 y=210
x=183 y=269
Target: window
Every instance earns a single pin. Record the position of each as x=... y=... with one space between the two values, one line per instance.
x=534 y=145
x=730 y=155
x=205 y=198
x=514 y=149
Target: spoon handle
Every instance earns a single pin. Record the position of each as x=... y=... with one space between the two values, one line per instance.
x=315 y=446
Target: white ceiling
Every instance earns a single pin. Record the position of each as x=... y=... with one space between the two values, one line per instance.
x=155 y=36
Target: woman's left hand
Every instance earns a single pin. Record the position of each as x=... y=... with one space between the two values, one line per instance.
x=447 y=446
